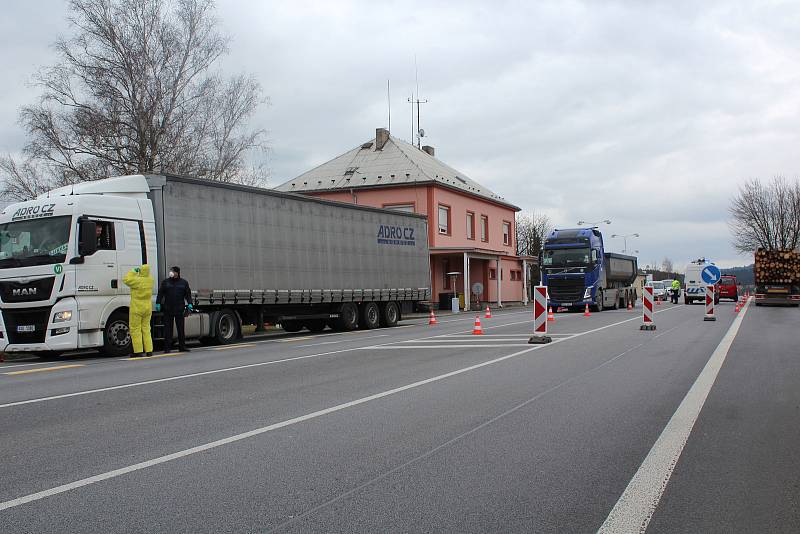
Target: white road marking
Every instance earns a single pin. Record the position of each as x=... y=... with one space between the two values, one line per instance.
x=638 y=502
x=470 y=346
x=246 y=366
x=200 y=373
x=478 y=339
x=258 y=431
x=24 y=365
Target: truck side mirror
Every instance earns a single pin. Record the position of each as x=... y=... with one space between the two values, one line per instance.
x=87 y=237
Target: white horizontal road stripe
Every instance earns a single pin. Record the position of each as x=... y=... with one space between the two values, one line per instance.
x=24 y=365
x=459 y=340
x=470 y=346
x=245 y=435
x=638 y=502
x=204 y=373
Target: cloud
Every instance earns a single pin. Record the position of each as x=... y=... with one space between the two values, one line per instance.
x=647 y=113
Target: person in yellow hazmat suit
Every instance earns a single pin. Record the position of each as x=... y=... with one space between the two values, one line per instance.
x=141 y=284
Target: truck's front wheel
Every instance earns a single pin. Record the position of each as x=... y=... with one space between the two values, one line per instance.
x=599 y=306
x=117 y=336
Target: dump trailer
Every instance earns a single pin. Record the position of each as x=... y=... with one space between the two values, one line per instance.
x=250 y=256
x=578 y=271
x=777 y=277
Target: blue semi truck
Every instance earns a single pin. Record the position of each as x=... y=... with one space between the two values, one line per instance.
x=577 y=271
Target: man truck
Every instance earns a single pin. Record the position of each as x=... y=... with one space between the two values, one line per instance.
x=577 y=271
x=251 y=255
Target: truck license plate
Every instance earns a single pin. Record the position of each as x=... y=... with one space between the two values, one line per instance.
x=26 y=328
x=566 y=304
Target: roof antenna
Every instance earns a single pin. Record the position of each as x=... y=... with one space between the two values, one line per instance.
x=420 y=133
x=389 y=103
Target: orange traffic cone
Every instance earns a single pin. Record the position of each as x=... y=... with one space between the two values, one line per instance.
x=477 y=330
x=738 y=309
x=630 y=305
x=658 y=302
x=550 y=316
x=488 y=313
x=432 y=319
x=586 y=311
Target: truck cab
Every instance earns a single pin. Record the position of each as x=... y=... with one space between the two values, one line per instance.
x=577 y=271
x=62 y=260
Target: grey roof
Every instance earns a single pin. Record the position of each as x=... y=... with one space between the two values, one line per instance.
x=398 y=163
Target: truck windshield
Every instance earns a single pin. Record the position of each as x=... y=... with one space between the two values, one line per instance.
x=566 y=256
x=34 y=242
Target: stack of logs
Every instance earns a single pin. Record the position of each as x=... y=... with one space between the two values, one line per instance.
x=777 y=267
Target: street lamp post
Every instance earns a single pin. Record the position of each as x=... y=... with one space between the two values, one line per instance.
x=605 y=221
x=625 y=239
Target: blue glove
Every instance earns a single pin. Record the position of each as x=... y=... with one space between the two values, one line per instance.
x=136 y=269
x=158 y=307
x=189 y=307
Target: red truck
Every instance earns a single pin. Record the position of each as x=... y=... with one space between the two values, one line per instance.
x=728 y=288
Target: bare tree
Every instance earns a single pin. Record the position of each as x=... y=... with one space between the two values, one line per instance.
x=667 y=265
x=133 y=92
x=766 y=215
x=531 y=231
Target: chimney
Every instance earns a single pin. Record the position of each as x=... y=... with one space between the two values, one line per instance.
x=429 y=150
x=381 y=137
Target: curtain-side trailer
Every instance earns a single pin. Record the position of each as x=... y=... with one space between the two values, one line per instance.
x=249 y=254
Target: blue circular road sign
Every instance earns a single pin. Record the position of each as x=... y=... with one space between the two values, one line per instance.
x=711 y=274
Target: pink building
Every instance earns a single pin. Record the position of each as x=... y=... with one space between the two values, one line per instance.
x=470 y=229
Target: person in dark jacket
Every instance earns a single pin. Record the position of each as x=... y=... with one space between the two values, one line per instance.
x=174 y=296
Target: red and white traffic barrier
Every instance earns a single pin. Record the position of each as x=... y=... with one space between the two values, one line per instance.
x=710 y=304
x=647 y=309
x=540 y=316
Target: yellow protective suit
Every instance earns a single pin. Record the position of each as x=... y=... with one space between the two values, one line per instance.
x=141 y=284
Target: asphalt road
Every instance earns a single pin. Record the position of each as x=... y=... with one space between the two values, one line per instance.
x=691 y=428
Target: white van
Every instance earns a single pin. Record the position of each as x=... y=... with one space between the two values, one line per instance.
x=695 y=288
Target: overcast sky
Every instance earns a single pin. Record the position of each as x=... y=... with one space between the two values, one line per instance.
x=646 y=113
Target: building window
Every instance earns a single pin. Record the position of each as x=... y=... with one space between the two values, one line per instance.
x=444 y=219
x=484 y=228
x=516 y=275
x=492 y=274
x=507 y=233
x=445 y=270
x=404 y=208
x=470 y=225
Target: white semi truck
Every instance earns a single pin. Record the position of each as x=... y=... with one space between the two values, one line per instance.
x=251 y=255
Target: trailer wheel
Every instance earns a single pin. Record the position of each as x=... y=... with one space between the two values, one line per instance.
x=390 y=314
x=226 y=327
x=370 y=316
x=315 y=325
x=291 y=326
x=348 y=317
x=117 y=335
